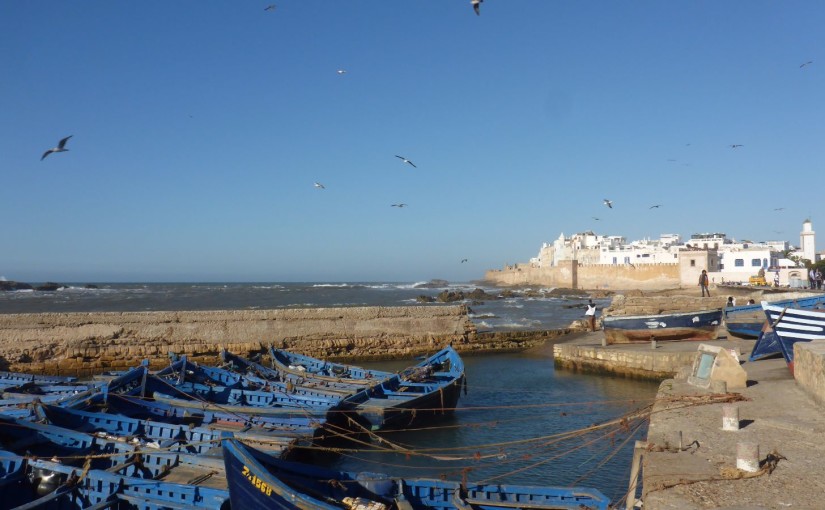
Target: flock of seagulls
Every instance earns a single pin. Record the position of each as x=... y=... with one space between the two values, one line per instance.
x=61 y=147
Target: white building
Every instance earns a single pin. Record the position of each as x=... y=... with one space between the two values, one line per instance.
x=738 y=261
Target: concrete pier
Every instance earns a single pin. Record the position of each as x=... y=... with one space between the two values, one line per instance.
x=774 y=457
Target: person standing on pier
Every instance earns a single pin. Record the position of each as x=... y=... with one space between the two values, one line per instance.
x=591 y=314
x=703 y=282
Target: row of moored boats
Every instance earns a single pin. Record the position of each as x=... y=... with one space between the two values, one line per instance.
x=240 y=434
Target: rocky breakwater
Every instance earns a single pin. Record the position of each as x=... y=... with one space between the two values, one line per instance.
x=88 y=343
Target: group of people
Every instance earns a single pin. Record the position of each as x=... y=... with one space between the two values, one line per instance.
x=815 y=279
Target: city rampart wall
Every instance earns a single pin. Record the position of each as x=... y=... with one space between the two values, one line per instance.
x=573 y=275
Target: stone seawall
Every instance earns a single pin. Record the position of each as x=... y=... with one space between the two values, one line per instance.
x=87 y=343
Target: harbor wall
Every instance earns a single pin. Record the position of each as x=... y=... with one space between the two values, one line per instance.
x=573 y=275
x=87 y=343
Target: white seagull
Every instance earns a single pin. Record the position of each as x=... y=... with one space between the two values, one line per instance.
x=398 y=205
x=319 y=185
x=655 y=206
x=60 y=148
x=476 y=6
x=608 y=203
x=341 y=71
x=806 y=64
x=407 y=161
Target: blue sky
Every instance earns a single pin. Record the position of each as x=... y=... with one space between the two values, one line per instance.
x=199 y=129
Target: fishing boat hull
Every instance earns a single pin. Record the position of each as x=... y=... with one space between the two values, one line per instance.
x=430 y=389
x=792 y=325
x=746 y=321
x=260 y=482
x=701 y=325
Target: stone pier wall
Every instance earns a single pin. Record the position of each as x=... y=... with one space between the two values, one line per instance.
x=85 y=343
x=637 y=363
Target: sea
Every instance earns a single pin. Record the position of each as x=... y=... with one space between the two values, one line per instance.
x=521 y=421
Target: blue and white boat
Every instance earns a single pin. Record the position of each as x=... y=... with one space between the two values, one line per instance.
x=746 y=321
x=701 y=325
x=793 y=325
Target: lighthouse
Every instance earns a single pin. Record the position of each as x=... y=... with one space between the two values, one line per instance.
x=807 y=241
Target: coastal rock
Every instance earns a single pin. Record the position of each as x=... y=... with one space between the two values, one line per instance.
x=50 y=287
x=12 y=285
x=432 y=284
x=90 y=286
x=449 y=296
x=425 y=299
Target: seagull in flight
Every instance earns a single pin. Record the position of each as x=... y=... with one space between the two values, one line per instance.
x=398 y=205
x=341 y=71
x=595 y=218
x=407 y=161
x=319 y=185
x=476 y=6
x=608 y=203
x=61 y=147
x=655 y=206
x=463 y=260
x=735 y=145
x=806 y=64
x=270 y=7
x=779 y=209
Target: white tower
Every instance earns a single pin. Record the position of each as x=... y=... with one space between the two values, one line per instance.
x=807 y=241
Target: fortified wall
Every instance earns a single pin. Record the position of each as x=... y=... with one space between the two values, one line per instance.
x=571 y=274
x=89 y=343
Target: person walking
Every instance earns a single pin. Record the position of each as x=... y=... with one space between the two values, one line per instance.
x=818 y=278
x=703 y=282
x=591 y=314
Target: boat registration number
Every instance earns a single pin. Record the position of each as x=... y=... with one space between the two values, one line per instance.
x=257 y=482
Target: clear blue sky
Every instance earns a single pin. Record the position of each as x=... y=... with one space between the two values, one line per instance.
x=199 y=129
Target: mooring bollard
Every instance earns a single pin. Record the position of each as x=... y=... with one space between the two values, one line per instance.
x=747 y=456
x=730 y=417
x=652 y=343
x=604 y=341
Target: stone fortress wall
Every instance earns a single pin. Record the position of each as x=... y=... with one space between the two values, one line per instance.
x=573 y=275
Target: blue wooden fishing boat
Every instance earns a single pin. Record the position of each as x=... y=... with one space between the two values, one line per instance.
x=131 y=461
x=258 y=481
x=429 y=389
x=746 y=321
x=793 y=325
x=34 y=484
x=306 y=366
x=178 y=437
x=298 y=380
x=182 y=371
x=701 y=325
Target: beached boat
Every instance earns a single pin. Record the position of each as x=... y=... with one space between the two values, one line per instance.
x=258 y=481
x=702 y=325
x=429 y=389
x=746 y=321
x=793 y=325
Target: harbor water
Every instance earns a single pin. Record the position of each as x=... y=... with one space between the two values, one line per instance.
x=521 y=421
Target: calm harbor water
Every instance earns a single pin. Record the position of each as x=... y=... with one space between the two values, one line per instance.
x=509 y=426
